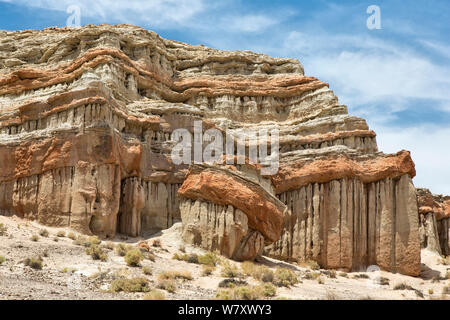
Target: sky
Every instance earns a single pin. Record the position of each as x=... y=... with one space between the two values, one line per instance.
x=397 y=76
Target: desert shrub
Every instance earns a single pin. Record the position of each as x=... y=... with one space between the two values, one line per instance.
x=34 y=238
x=45 y=253
x=320 y=280
x=155 y=294
x=109 y=245
x=133 y=257
x=430 y=291
x=68 y=270
x=248 y=268
x=130 y=285
x=231 y=283
x=261 y=273
x=188 y=257
x=182 y=248
x=167 y=284
x=361 y=276
x=403 y=286
x=209 y=259
x=240 y=293
x=122 y=248
x=285 y=277
x=56 y=239
x=71 y=236
x=268 y=290
x=447 y=275
x=2 y=259
x=329 y=273
x=61 y=234
x=230 y=270
x=170 y=275
x=35 y=263
x=147 y=271
x=3 y=229
x=94 y=240
x=446 y=290
x=149 y=256
x=313 y=265
x=207 y=270
x=96 y=253
x=343 y=274
x=43 y=233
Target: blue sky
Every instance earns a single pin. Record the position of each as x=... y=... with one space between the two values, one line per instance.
x=397 y=78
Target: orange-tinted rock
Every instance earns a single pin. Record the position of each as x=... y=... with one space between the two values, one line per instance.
x=434 y=215
x=264 y=211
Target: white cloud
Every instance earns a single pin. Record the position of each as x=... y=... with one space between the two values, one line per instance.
x=249 y=23
x=367 y=70
x=157 y=13
x=429 y=150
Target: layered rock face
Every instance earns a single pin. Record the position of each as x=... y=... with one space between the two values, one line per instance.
x=434 y=217
x=86 y=124
x=232 y=210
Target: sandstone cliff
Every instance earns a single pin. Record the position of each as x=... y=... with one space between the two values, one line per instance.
x=434 y=215
x=85 y=141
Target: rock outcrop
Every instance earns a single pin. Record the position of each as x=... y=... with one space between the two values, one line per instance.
x=229 y=210
x=434 y=216
x=86 y=135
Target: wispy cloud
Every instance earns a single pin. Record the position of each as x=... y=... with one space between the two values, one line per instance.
x=160 y=13
x=429 y=149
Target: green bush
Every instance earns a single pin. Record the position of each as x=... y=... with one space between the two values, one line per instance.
x=313 y=265
x=96 y=253
x=122 y=249
x=403 y=286
x=261 y=273
x=268 y=290
x=130 y=285
x=285 y=277
x=240 y=293
x=2 y=259
x=188 y=257
x=230 y=271
x=231 y=283
x=169 y=275
x=35 y=263
x=71 y=236
x=133 y=257
x=43 y=233
x=209 y=259
x=34 y=238
x=207 y=270
x=167 y=284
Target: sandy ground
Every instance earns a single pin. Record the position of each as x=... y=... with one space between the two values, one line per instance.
x=91 y=278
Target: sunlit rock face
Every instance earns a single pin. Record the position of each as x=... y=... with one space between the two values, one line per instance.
x=434 y=217
x=86 y=124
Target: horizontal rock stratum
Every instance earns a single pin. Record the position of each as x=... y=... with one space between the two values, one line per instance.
x=86 y=124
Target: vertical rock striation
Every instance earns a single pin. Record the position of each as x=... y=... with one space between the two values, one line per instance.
x=434 y=216
x=87 y=118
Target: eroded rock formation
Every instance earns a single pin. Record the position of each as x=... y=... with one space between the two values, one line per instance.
x=86 y=124
x=434 y=215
